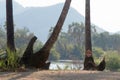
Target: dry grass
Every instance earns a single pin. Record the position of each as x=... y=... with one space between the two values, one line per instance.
x=60 y=75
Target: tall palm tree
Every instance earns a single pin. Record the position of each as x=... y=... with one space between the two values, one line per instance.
x=10 y=26
x=39 y=58
x=88 y=45
x=89 y=62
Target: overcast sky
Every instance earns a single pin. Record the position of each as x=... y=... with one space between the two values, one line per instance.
x=104 y=13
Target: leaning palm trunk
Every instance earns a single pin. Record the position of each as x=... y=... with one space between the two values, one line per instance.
x=10 y=26
x=39 y=58
x=50 y=42
x=89 y=61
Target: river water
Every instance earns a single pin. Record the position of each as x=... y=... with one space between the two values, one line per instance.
x=66 y=65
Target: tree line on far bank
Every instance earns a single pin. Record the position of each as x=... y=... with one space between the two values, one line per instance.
x=70 y=45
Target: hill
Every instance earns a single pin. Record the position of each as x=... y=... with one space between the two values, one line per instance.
x=40 y=19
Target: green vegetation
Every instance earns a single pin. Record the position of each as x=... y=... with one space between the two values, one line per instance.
x=70 y=45
x=113 y=61
x=9 y=61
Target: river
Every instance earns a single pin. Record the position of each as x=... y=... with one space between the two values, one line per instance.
x=66 y=65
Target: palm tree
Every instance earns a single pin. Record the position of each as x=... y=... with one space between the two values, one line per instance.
x=39 y=58
x=89 y=62
x=88 y=45
x=10 y=26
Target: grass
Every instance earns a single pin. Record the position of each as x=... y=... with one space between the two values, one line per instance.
x=10 y=62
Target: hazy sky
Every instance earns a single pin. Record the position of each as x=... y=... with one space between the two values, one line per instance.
x=104 y=13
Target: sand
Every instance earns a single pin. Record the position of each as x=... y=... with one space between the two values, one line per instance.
x=60 y=75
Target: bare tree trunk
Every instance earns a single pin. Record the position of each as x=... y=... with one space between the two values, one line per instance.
x=10 y=26
x=28 y=52
x=39 y=58
x=89 y=62
x=88 y=45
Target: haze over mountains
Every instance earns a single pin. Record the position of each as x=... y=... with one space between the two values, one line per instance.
x=40 y=19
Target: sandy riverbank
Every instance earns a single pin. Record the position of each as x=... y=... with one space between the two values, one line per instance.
x=60 y=75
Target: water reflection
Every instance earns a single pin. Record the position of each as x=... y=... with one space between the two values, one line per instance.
x=66 y=65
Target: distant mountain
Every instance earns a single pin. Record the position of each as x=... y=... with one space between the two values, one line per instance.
x=40 y=19
x=17 y=8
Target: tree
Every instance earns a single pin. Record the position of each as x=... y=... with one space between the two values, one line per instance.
x=88 y=46
x=39 y=58
x=10 y=26
x=76 y=31
x=89 y=63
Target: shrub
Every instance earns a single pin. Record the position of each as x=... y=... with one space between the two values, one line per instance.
x=113 y=61
x=10 y=62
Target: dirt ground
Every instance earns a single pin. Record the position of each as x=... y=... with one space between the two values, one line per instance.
x=60 y=75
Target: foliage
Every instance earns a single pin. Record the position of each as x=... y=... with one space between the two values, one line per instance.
x=22 y=37
x=12 y=59
x=2 y=38
x=10 y=62
x=97 y=52
x=37 y=46
x=54 y=55
x=9 y=59
x=112 y=60
x=106 y=41
x=70 y=45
